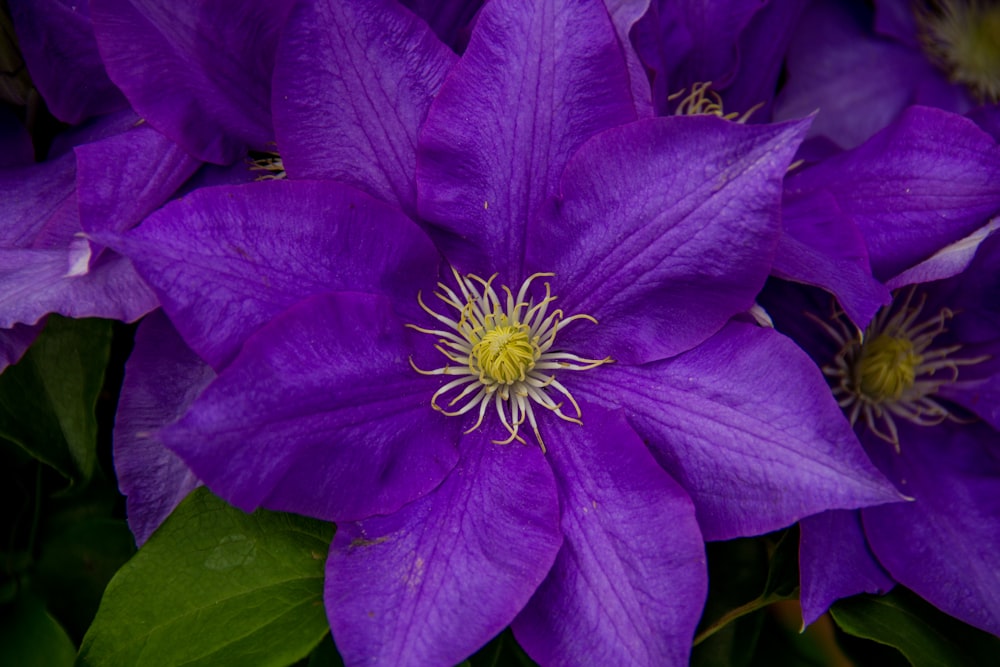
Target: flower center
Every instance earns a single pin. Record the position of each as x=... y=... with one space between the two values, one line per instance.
x=503 y=353
x=886 y=368
x=893 y=370
x=963 y=38
x=703 y=101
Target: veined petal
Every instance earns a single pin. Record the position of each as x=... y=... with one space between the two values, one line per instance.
x=353 y=84
x=199 y=72
x=943 y=544
x=630 y=580
x=747 y=425
x=320 y=414
x=661 y=254
x=835 y=562
x=225 y=260
x=162 y=377
x=40 y=209
x=538 y=79
x=926 y=181
x=433 y=582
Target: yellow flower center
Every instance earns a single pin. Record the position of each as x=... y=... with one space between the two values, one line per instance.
x=503 y=353
x=963 y=38
x=887 y=367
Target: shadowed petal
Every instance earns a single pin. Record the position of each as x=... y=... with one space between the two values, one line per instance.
x=225 y=260
x=15 y=341
x=353 y=84
x=199 y=72
x=924 y=182
x=320 y=414
x=943 y=545
x=162 y=377
x=666 y=229
x=629 y=583
x=747 y=425
x=835 y=562
x=538 y=79
x=433 y=582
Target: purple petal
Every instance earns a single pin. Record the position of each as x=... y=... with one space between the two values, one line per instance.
x=354 y=81
x=200 y=73
x=662 y=256
x=433 y=582
x=629 y=583
x=943 y=545
x=858 y=83
x=162 y=378
x=40 y=208
x=747 y=425
x=450 y=19
x=823 y=247
x=625 y=14
x=946 y=262
x=34 y=283
x=15 y=341
x=226 y=260
x=57 y=40
x=896 y=19
x=538 y=79
x=835 y=562
x=320 y=414
x=924 y=182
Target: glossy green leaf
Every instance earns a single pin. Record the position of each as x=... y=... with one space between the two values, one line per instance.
x=47 y=400
x=30 y=637
x=922 y=633
x=214 y=587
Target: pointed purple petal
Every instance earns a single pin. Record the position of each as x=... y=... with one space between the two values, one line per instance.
x=225 y=260
x=663 y=256
x=40 y=208
x=320 y=414
x=200 y=73
x=433 y=582
x=835 y=562
x=537 y=80
x=629 y=583
x=162 y=377
x=625 y=14
x=943 y=545
x=924 y=182
x=57 y=40
x=747 y=425
x=353 y=84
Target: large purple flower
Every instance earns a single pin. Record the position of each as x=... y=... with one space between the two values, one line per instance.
x=623 y=250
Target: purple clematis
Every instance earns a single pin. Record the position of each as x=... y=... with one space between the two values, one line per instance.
x=921 y=385
x=504 y=348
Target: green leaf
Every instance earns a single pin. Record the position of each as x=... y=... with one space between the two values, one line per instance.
x=47 y=400
x=30 y=637
x=922 y=633
x=737 y=566
x=214 y=586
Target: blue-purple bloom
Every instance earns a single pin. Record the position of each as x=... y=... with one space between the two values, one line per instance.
x=621 y=345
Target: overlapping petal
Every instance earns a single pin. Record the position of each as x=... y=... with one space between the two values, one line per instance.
x=433 y=582
x=199 y=72
x=538 y=79
x=162 y=378
x=353 y=83
x=630 y=580
x=645 y=211
x=943 y=545
x=320 y=414
x=746 y=423
x=226 y=260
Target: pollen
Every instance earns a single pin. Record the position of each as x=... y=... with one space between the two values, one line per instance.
x=501 y=352
x=894 y=370
x=963 y=38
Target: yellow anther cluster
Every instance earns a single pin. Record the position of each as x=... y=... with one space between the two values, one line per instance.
x=505 y=354
x=887 y=367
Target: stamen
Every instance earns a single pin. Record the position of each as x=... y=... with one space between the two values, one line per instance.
x=963 y=38
x=270 y=164
x=500 y=349
x=891 y=371
x=703 y=101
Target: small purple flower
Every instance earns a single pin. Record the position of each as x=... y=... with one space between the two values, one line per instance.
x=623 y=250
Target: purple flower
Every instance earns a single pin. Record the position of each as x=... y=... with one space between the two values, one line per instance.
x=920 y=385
x=862 y=69
x=622 y=250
